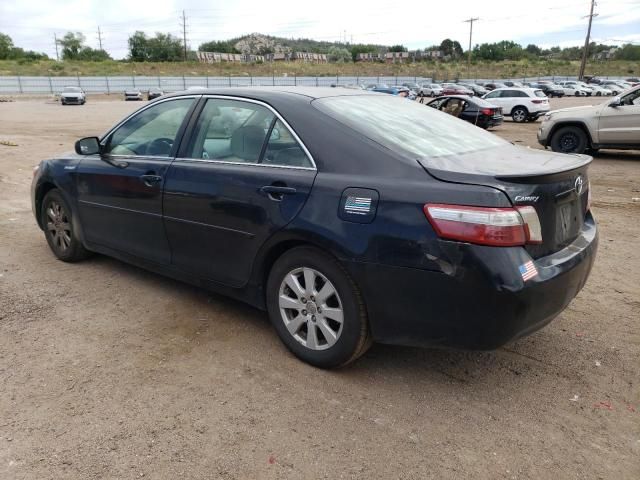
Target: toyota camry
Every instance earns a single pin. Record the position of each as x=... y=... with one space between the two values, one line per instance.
x=351 y=217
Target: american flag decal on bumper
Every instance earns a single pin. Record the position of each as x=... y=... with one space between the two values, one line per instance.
x=528 y=270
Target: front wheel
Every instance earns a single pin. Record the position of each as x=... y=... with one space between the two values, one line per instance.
x=569 y=140
x=317 y=309
x=57 y=221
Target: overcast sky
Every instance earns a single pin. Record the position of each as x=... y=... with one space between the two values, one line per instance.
x=32 y=23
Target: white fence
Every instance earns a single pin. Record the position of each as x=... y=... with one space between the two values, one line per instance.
x=53 y=85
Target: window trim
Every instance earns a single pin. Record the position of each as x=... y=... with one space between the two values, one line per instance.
x=180 y=133
x=277 y=116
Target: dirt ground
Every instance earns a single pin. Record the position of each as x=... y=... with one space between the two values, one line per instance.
x=108 y=371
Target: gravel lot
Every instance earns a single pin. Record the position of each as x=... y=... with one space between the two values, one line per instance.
x=108 y=371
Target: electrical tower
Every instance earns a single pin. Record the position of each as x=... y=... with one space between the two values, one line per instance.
x=585 y=52
x=55 y=42
x=470 y=22
x=183 y=23
x=100 y=38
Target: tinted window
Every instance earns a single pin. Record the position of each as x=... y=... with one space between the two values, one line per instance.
x=494 y=94
x=539 y=93
x=632 y=98
x=151 y=132
x=230 y=130
x=284 y=150
x=407 y=127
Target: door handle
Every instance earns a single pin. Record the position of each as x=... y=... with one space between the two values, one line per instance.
x=276 y=192
x=150 y=180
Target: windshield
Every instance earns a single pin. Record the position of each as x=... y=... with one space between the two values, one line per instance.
x=71 y=89
x=407 y=127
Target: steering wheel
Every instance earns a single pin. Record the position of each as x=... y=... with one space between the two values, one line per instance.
x=159 y=146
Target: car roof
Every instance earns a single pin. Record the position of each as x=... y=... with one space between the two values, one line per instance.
x=262 y=93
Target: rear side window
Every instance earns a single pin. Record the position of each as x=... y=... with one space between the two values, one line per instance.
x=237 y=131
x=407 y=127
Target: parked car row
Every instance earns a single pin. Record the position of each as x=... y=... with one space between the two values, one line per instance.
x=77 y=96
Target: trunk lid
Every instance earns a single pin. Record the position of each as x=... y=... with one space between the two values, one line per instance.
x=556 y=185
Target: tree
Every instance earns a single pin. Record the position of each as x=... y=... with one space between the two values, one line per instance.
x=397 y=48
x=628 y=52
x=6 y=45
x=71 y=45
x=533 y=50
x=93 y=54
x=451 y=47
x=357 y=49
x=217 y=46
x=164 y=47
x=339 y=54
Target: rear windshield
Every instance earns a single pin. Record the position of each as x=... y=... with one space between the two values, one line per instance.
x=407 y=127
x=539 y=93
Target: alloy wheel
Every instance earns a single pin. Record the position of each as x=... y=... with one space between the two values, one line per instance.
x=519 y=115
x=58 y=226
x=311 y=308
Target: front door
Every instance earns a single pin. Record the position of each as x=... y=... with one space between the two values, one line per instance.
x=621 y=124
x=242 y=176
x=120 y=192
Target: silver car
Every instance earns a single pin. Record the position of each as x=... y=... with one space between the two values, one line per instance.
x=73 y=96
x=612 y=124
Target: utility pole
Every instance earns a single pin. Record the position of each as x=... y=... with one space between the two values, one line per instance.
x=184 y=34
x=55 y=41
x=470 y=22
x=99 y=37
x=585 y=52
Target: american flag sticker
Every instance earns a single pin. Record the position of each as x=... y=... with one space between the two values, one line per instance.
x=358 y=205
x=528 y=270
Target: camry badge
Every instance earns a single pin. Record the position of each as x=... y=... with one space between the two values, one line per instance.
x=579 y=184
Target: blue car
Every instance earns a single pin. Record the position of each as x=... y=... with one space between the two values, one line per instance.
x=350 y=217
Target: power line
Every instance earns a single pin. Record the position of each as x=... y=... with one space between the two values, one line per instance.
x=470 y=22
x=585 y=52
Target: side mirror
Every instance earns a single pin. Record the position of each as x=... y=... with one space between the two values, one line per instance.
x=616 y=102
x=88 y=146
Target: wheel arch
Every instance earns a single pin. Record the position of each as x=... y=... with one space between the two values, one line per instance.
x=571 y=123
x=41 y=191
x=518 y=106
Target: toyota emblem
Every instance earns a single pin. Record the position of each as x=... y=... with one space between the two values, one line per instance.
x=579 y=184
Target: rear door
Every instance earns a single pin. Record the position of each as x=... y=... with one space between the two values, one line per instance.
x=241 y=177
x=621 y=125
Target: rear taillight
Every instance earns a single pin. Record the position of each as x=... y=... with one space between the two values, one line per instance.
x=486 y=111
x=537 y=101
x=505 y=227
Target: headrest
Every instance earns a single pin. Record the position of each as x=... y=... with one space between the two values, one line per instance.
x=246 y=142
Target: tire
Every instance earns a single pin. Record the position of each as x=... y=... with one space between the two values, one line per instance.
x=569 y=140
x=290 y=309
x=55 y=216
x=519 y=114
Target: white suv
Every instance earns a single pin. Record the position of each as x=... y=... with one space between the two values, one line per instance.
x=521 y=104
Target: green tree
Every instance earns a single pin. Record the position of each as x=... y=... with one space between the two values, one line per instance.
x=533 y=50
x=6 y=45
x=628 y=52
x=397 y=48
x=218 y=46
x=71 y=45
x=339 y=54
x=356 y=49
x=93 y=54
x=164 y=47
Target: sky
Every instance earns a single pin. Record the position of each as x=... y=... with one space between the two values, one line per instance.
x=32 y=24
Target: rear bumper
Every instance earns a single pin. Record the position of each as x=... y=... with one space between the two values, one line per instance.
x=479 y=300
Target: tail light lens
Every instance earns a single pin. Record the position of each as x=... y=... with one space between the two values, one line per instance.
x=486 y=111
x=504 y=227
x=537 y=101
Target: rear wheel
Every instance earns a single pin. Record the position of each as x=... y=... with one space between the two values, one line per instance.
x=58 y=226
x=519 y=114
x=569 y=140
x=317 y=309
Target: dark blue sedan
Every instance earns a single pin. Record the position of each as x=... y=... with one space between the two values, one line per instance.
x=350 y=216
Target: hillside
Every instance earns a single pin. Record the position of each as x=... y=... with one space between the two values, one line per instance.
x=257 y=43
x=439 y=70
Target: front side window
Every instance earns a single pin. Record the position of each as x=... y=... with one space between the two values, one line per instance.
x=494 y=94
x=151 y=132
x=632 y=98
x=407 y=127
